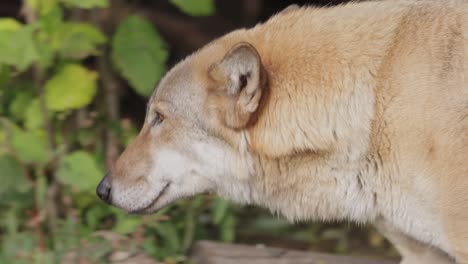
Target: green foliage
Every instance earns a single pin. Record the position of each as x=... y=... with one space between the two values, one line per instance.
x=168 y=233
x=18 y=244
x=42 y=6
x=32 y=118
x=72 y=87
x=139 y=53
x=20 y=103
x=79 y=170
x=30 y=146
x=88 y=4
x=127 y=224
x=13 y=176
x=220 y=209
x=9 y=24
x=16 y=44
x=78 y=40
x=195 y=7
x=5 y=73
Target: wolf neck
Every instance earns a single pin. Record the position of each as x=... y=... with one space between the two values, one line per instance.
x=310 y=187
x=321 y=80
x=313 y=128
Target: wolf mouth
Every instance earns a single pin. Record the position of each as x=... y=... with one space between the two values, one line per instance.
x=145 y=209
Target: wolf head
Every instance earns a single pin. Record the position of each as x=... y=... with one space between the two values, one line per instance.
x=255 y=117
x=192 y=140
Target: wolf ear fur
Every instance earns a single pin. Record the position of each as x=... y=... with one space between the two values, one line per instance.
x=242 y=76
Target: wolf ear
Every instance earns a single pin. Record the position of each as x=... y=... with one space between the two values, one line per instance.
x=242 y=76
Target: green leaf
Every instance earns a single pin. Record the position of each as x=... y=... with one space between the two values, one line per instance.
x=87 y=4
x=43 y=7
x=5 y=76
x=191 y=222
x=220 y=208
x=127 y=224
x=20 y=104
x=95 y=214
x=79 y=170
x=72 y=87
x=168 y=233
x=17 y=47
x=9 y=24
x=3 y=139
x=85 y=199
x=228 y=228
x=195 y=7
x=30 y=146
x=79 y=40
x=49 y=38
x=33 y=116
x=10 y=92
x=139 y=54
x=13 y=175
x=46 y=54
x=51 y=23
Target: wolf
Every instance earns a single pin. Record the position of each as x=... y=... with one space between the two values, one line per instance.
x=357 y=112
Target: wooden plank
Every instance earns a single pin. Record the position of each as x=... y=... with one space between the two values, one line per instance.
x=206 y=252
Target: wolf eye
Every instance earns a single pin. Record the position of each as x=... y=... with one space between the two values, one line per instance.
x=157 y=119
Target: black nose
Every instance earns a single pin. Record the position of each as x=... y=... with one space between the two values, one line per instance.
x=103 y=190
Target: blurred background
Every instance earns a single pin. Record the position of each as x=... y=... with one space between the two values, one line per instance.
x=74 y=79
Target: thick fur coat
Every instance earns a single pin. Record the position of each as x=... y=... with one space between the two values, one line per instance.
x=357 y=112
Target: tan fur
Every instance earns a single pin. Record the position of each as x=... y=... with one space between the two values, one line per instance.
x=357 y=112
